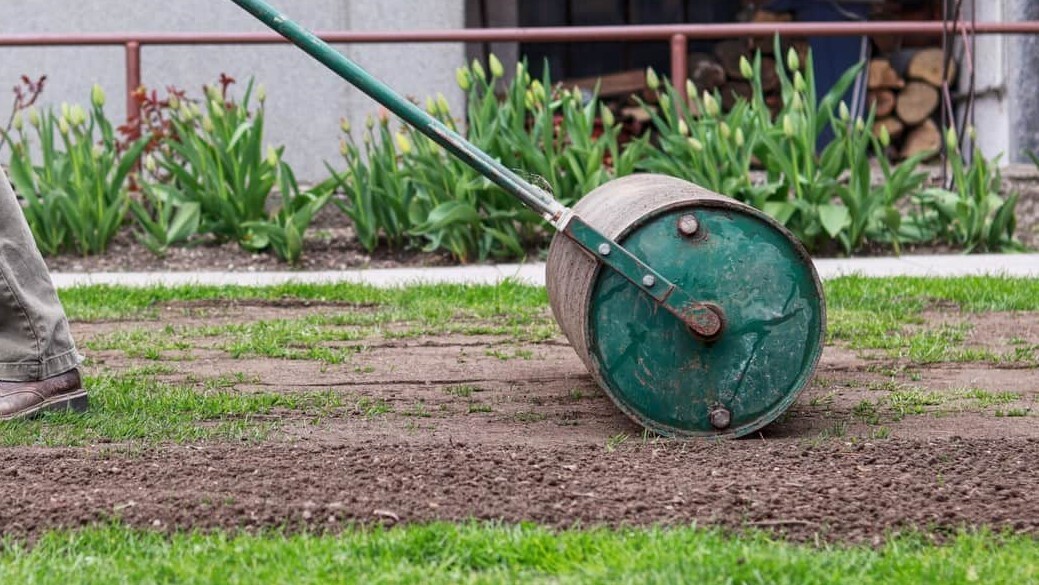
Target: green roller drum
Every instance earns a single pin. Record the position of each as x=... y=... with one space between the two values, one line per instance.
x=657 y=371
x=698 y=315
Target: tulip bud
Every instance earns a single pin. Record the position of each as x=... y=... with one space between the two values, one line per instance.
x=34 y=117
x=690 y=88
x=150 y=164
x=793 y=62
x=664 y=101
x=261 y=94
x=384 y=116
x=196 y=112
x=344 y=125
x=174 y=102
x=63 y=125
x=64 y=110
x=528 y=100
x=478 y=70
x=520 y=70
x=403 y=143
x=884 y=136
x=724 y=130
x=497 y=69
x=369 y=122
x=745 y=68
x=799 y=82
x=18 y=123
x=443 y=106
x=843 y=111
x=710 y=105
x=652 y=80
x=97 y=152
x=972 y=133
x=951 y=141
x=539 y=91
x=860 y=125
x=683 y=128
x=788 y=126
x=77 y=115
x=217 y=109
x=343 y=148
x=608 y=119
x=97 y=96
x=431 y=106
x=207 y=125
x=739 y=139
x=796 y=104
x=695 y=144
x=463 y=78
x=272 y=156
x=186 y=113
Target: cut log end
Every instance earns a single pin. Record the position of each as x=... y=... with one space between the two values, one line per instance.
x=916 y=102
x=924 y=138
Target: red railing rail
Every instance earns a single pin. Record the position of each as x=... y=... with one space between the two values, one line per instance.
x=678 y=35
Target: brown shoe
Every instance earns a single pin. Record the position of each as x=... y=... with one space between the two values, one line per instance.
x=27 y=399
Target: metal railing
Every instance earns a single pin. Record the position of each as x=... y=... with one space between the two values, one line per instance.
x=677 y=35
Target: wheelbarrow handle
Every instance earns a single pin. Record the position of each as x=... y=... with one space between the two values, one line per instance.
x=537 y=199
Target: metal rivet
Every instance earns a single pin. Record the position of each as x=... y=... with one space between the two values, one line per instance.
x=720 y=417
x=648 y=281
x=688 y=225
x=604 y=249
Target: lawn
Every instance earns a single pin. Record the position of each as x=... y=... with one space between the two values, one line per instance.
x=343 y=433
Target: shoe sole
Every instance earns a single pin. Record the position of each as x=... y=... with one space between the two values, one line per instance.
x=77 y=401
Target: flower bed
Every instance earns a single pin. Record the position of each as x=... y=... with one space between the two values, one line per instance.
x=196 y=171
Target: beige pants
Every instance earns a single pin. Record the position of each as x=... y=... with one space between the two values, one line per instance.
x=35 y=342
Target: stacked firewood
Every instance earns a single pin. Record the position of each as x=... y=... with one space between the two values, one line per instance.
x=905 y=88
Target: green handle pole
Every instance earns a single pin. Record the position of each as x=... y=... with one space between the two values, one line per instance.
x=706 y=321
x=533 y=197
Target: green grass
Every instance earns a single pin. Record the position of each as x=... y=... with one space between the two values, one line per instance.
x=482 y=553
x=134 y=407
x=865 y=313
x=422 y=302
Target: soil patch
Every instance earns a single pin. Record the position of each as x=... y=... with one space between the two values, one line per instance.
x=835 y=491
x=488 y=427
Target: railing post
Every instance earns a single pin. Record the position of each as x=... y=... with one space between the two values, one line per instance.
x=679 y=64
x=133 y=80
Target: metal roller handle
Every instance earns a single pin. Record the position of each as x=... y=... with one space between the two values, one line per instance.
x=537 y=199
x=704 y=320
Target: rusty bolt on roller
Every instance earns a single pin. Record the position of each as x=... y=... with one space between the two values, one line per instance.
x=720 y=417
x=687 y=225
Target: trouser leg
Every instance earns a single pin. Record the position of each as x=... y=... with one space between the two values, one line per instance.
x=35 y=341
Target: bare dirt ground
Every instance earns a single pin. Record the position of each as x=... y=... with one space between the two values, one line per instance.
x=483 y=427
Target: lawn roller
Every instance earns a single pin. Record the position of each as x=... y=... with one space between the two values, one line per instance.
x=699 y=316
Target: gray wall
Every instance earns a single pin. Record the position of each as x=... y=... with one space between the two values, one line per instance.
x=1007 y=69
x=305 y=102
x=1023 y=89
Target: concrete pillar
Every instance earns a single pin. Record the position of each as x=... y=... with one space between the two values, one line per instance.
x=1023 y=86
x=1007 y=75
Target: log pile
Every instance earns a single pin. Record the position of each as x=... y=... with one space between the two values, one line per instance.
x=905 y=90
x=720 y=70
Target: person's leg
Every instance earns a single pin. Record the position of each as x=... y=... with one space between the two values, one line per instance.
x=35 y=341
